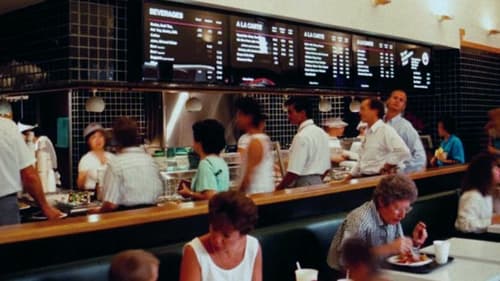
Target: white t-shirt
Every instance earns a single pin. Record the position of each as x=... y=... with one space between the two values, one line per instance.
x=91 y=164
x=309 y=151
x=14 y=156
x=474 y=212
x=262 y=178
x=211 y=272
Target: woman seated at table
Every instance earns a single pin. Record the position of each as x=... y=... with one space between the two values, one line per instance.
x=93 y=164
x=212 y=175
x=226 y=252
x=451 y=150
x=475 y=211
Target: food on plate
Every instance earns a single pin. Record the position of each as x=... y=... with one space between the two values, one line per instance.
x=409 y=258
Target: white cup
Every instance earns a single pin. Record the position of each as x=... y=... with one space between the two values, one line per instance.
x=306 y=274
x=442 y=250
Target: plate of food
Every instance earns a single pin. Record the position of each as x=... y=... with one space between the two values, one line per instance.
x=410 y=260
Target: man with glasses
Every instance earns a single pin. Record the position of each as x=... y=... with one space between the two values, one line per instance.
x=378 y=222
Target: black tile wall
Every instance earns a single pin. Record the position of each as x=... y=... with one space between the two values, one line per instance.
x=98 y=40
x=117 y=104
x=479 y=92
x=34 y=45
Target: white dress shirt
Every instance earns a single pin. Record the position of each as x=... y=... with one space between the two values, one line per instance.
x=474 y=212
x=405 y=130
x=132 y=178
x=381 y=145
x=14 y=156
x=309 y=153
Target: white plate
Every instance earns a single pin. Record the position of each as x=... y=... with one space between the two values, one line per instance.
x=394 y=260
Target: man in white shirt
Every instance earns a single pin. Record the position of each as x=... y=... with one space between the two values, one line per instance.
x=16 y=171
x=396 y=105
x=309 y=159
x=132 y=178
x=383 y=150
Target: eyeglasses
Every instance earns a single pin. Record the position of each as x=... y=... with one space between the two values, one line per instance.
x=402 y=210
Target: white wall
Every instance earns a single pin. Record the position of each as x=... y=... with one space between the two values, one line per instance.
x=412 y=19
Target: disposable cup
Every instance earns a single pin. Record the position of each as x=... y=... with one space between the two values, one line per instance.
x=306 y=274
x=442 y=251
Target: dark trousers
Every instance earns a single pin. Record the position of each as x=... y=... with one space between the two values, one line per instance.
x=9 y=210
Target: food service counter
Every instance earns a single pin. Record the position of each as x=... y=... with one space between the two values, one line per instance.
x=37 y=244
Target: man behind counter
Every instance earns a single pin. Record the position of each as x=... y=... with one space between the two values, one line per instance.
x=309 y=159
x=16 y=171
x=132 y=178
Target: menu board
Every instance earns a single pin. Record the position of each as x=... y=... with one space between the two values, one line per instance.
x=325 y=57
x=414 y=66
x=263 y=52
x=190 y=44
x=375 y=63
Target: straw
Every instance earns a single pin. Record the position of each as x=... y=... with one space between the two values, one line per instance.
x=347 y=277
x=298 y=265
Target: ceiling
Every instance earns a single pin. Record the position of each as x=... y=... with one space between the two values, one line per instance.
x=11 y=5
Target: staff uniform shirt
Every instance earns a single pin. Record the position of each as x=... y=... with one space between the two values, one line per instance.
x=90 y=163
x=454 y=148
x=405 y=130
x=366 y=224
x=309 y=153
x=381 y=145
x=132 y=178
x=14 y=156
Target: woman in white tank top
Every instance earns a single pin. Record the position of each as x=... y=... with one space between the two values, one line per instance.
x=257 y=158
x=226 y=252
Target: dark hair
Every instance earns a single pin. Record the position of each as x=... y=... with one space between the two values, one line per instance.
x=449 y=124
x=232 y=208
x=356 y=251
x=478 y=175
x=87 y=138
x=394 y=188
x=132 y=265
x=300 y=104
x=211 y=134
x=250 y=106
x=125 y=132
x=376 y=104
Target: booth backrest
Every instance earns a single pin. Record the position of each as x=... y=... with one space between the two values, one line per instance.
x=306 y=241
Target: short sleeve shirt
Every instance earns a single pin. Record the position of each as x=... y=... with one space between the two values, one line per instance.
x=91 y=164
x=14 y=156
x=363 y=223
x=212 y=174
x=454 y=148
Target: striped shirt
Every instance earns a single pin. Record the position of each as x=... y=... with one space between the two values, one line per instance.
x=132 y=178
x=362 y=223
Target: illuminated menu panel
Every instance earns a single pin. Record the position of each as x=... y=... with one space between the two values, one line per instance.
x=262 y=51
x=414 y=66
x=375 y=62
x=325 y=57
x=190 y=43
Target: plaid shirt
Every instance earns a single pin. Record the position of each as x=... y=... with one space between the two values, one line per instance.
x=363 y=223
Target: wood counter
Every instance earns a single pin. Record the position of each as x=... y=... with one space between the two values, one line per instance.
x=174 y=211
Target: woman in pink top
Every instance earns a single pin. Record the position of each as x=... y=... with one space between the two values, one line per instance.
x=226 y=252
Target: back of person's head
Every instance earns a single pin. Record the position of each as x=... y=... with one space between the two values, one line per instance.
x=251 y=107
x=449 y=124
x=358 y=258
x=394 y=188
x=376 y=104
x=300 y=103
x=232 y=208
x=210 y=134
x=134 y=265
x=479 y=174
x=125 y=132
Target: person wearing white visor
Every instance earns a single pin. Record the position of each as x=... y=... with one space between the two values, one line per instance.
x=45 y=154
x=335 y=128
x=93 y=164
x=5 y=109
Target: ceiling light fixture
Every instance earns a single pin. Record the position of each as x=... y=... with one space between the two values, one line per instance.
x=442 y=18
x=381 y=2
x=493 y=31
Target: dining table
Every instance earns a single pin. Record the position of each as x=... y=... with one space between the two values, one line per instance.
x=473 y=260
x=478 y=250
